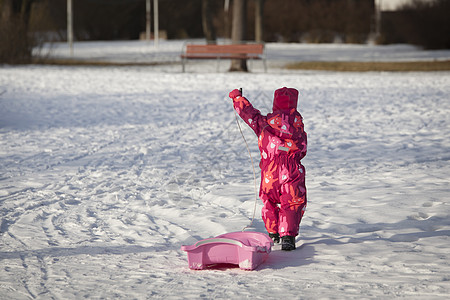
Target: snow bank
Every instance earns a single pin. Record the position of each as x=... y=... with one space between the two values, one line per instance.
x=277 y=54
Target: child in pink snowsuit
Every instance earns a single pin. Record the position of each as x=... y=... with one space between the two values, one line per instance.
x=282 y=143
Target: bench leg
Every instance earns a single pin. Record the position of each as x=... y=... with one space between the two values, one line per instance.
x=182 y=62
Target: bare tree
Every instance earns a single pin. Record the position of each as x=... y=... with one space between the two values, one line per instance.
x=238 y=32
x=17 y=8
x=15 y=43
x=208 y=28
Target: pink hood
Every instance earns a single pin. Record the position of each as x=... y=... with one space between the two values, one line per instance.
x=285 y=99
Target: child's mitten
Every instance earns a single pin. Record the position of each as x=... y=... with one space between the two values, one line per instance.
x=235 y=93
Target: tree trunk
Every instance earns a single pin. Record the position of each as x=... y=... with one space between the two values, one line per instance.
x=259 y=14
x=25 y=11
x=208 y=28
x=238 y=33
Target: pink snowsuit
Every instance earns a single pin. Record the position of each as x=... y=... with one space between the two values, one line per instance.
x=282 y=143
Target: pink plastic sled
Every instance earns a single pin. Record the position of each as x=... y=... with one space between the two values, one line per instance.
x=246 y=249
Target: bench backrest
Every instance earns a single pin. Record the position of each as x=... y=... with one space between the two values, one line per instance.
x=219 y=49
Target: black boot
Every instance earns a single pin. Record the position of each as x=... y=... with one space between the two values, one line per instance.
x=288 y=243
x=275 y=237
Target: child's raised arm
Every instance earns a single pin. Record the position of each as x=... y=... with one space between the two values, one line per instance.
x=247 y=112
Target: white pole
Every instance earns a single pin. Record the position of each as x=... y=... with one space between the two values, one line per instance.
x=378 y=19
x=148 y=18
x=156 y=29
x=70 y=26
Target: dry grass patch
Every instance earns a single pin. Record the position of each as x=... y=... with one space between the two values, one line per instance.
x=372 y=66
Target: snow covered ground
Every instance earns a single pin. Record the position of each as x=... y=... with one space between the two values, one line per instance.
x=106 y=171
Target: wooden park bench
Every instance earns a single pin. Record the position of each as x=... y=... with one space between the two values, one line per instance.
x=218 y=52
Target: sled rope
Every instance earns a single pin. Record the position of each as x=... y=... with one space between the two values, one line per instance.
x=253 y=167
